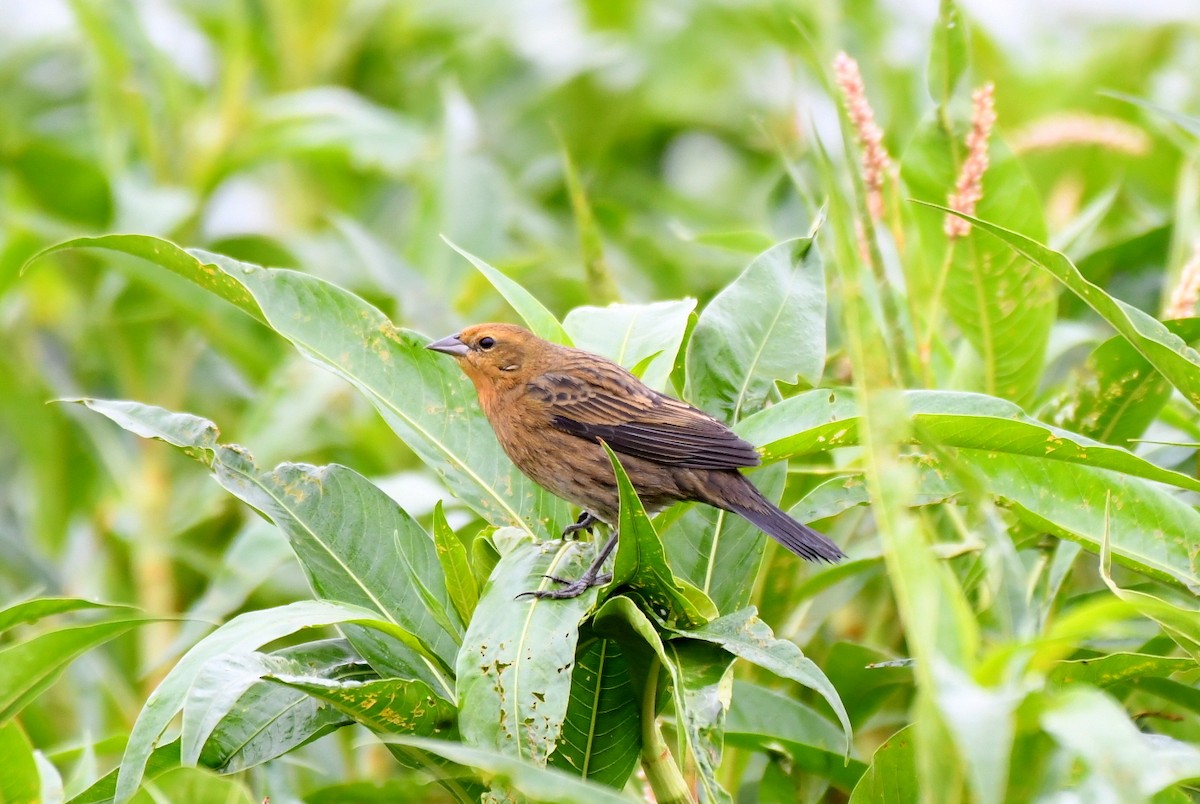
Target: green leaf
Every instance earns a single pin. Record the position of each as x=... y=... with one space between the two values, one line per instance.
x=20 y=781
x=537 y=783
x=1180 y=619
x=541 y=322
x=514 y=679
x=703 y=689
x=103 y=790
x=600 y=736
x=220 y=695
x=243 y=633
x=768 y=325
x=355 y=544
x=761 y=719
x=947 y=53
x=1101 y=671
x=28 y=611
x=452 y=553
x=744 y=635
x=820 y=420
x=194 y=784
x=632 y=334
x=983 y=723
x=641 y=565
x=1119 y=759
x=1117 y=393
x=28 y=668
x=1151 y=529
x=1167 y=352
x=892 y=775
x=1001 y=303
x=384 y=705
x=622 y=620
x=421 y=395
x=270 y=719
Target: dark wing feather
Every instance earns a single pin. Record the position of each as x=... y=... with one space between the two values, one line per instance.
x=596 y=399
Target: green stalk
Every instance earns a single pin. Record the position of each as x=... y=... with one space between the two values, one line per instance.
x=666 y=780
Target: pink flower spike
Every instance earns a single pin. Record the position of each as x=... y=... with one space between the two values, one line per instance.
x=1187 y=291
x=968 y=189
x=876 y=163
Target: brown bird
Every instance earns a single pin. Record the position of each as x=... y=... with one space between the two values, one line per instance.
x=551 y=406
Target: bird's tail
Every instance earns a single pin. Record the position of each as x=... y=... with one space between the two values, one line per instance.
x=748 y=502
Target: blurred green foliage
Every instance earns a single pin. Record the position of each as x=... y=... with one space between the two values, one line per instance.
x=589 y=149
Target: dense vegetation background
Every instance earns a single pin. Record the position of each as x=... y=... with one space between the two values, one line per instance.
x=990 y=420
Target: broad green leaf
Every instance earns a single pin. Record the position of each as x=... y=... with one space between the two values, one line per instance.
x=633 y=334
x=768 y=325
x=983 y=722
x=891 y=777
x=220 y=696
x=103 y=790
x=760 y=718
x=820 y=420
x=194 y=784
x=242 y=634
x=719 y=552
x=422 y=396
x=702 y=694
x=514 y=678
x=537 y=783
x=622 y=620
x=1166 y=351
x=947 y=53
x=744 y=635
x=1119 y=759
x=1117 y=393
x=1180 y=619
x=355 y=544
x=1152 y=530
x=270 y=719
x=384 y=705
x=1101 y=671
x=541 y=322
x=641 y=565
x=28 y=668
x=1001 y=303
x=460 y=581
x=28 y=611
x=19 y=781
x=600 y=736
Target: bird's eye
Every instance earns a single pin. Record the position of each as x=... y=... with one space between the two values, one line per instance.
x=486 y=343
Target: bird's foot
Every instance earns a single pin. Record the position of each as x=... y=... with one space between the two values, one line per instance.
x=570 y=589
x=585 y=522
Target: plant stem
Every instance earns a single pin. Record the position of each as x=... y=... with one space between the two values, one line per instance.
x=664 y=775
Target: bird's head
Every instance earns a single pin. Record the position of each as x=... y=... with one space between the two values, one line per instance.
x=493 y=354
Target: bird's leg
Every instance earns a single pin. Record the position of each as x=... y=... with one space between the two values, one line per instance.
x=585 y=522
x=590 y=577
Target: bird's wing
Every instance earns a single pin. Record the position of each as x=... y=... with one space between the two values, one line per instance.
x=604 y=401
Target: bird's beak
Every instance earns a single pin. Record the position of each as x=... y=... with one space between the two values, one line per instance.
x=450 y=345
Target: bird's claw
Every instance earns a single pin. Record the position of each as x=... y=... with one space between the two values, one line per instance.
x=570 y=588
x=585 y=522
